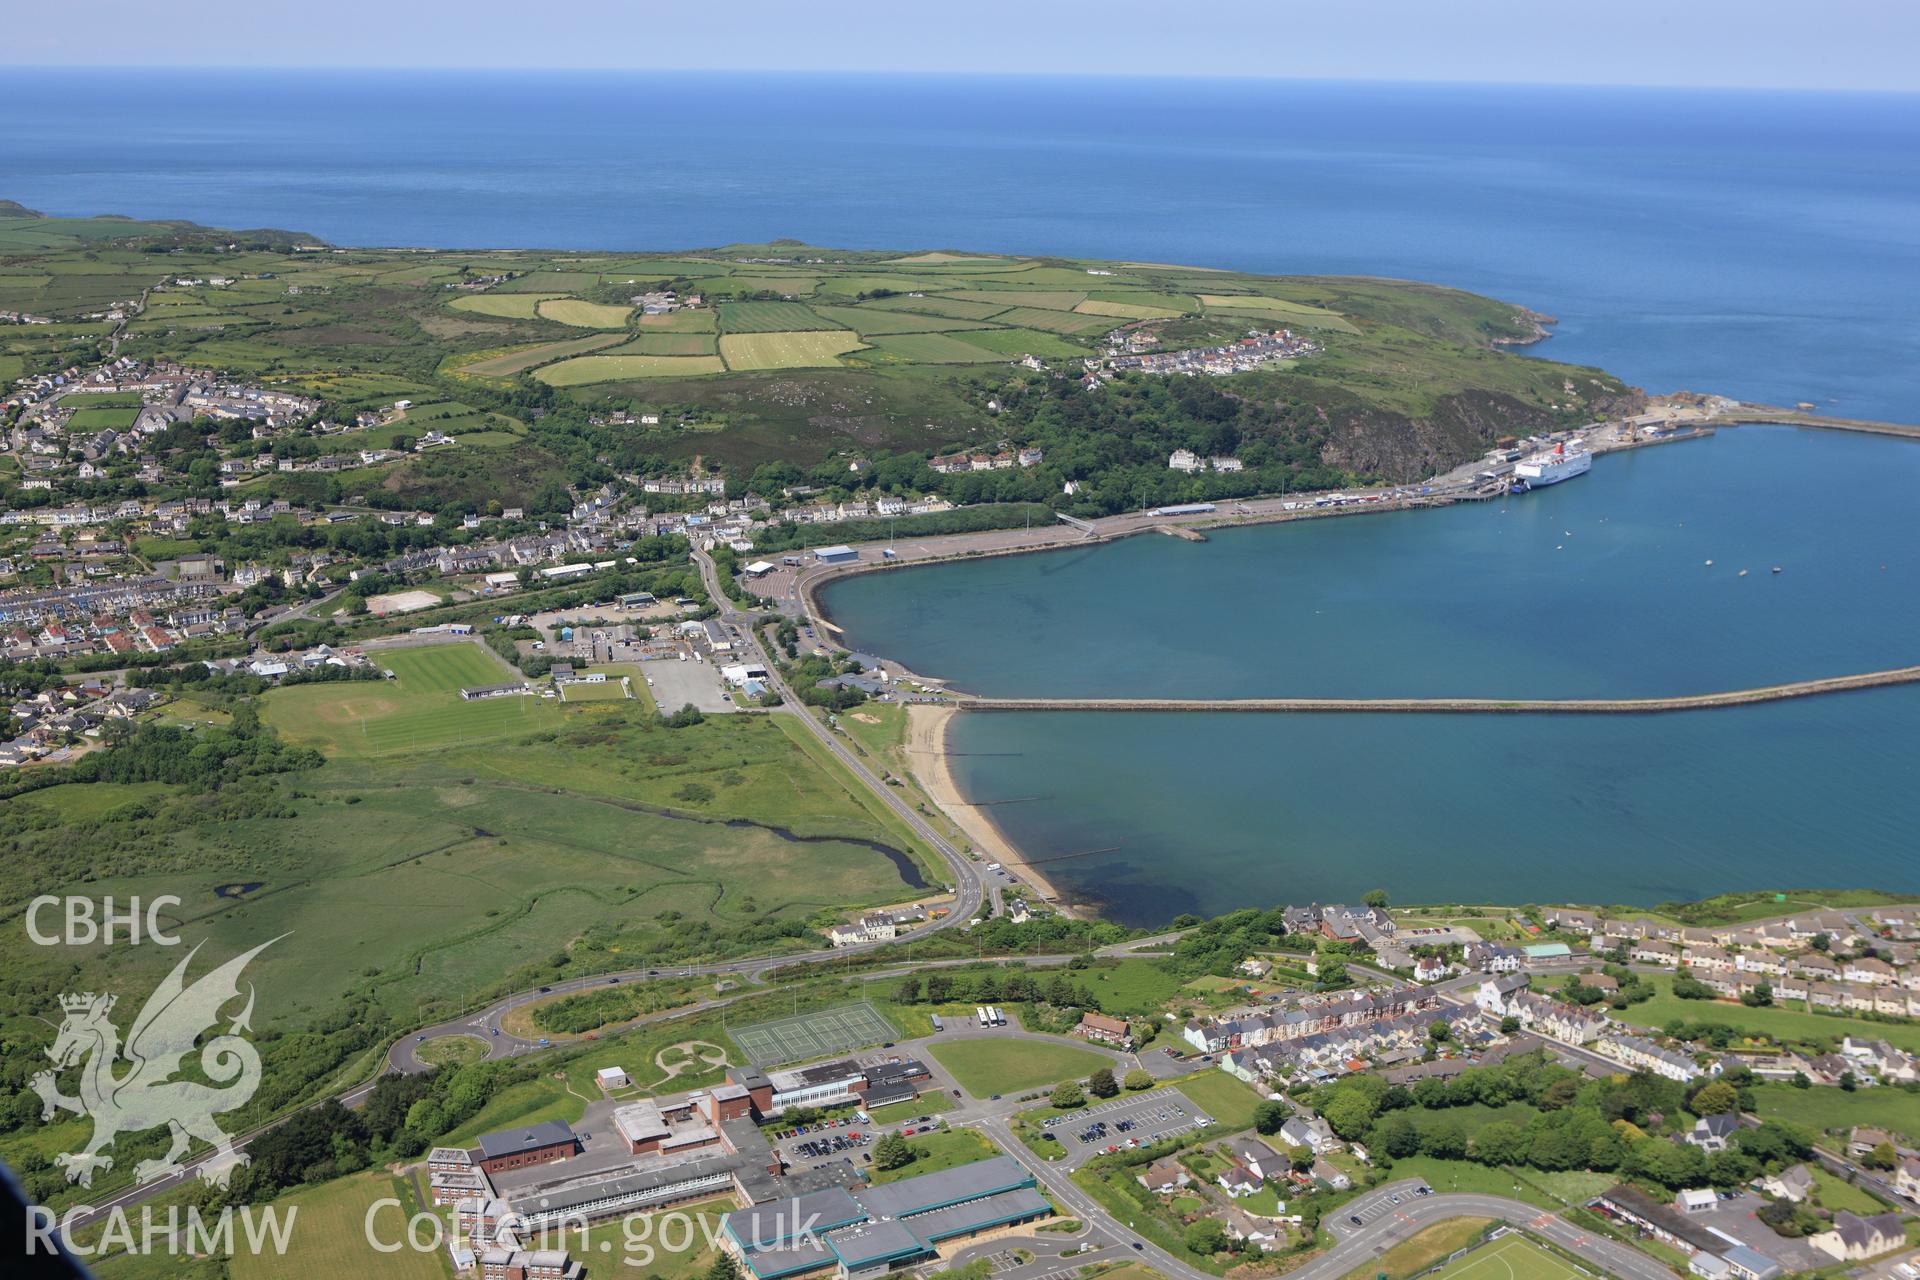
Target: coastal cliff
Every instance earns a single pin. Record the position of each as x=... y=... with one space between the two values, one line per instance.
x=1461 y=427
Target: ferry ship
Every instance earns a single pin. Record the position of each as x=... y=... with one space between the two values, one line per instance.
x=1552 y=468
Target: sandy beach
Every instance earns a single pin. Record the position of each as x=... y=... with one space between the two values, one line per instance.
x=927 y=743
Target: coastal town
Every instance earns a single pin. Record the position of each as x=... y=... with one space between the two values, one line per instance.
x=1302 y=1124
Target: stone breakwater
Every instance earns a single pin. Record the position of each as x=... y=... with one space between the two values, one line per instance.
x=1463 y=706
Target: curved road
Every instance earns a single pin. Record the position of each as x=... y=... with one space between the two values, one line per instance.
x=1357 y=1246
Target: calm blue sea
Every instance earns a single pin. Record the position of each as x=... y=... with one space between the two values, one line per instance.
x=1762 y=245
x=1765 y=245
x=1596 y=587
x=1625 y=582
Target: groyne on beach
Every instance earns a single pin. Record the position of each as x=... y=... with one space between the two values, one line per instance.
x=927 y=726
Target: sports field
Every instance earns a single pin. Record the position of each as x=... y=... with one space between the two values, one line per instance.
x=420 y=708
x=986 y=1066
x=585 y=315
x=1511 y=1257
x=787 y=350
x=813 y=1035
x=611 y=691
x=768 y=317
x=585 y=369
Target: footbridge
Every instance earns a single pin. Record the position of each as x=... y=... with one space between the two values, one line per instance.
x=1084 y=526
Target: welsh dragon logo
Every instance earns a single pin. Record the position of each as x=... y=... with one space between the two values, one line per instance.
x=146 y=1095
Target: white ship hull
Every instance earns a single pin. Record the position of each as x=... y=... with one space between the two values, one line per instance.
x=1552 y=468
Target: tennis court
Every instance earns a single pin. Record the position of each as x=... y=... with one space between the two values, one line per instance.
x=1511 y=1257
x=813 y=1035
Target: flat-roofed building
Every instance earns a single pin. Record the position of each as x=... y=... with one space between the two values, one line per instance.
x=871 y=1230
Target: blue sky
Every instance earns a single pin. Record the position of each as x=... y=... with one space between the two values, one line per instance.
x=1834 y=44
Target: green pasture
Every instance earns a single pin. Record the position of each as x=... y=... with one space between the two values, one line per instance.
x=584 y=315
x=667 y=344
x=746 y=351
x=506 y=306
x=582 y=370
x=505 y=364
x=932 y=348
x=769 y=317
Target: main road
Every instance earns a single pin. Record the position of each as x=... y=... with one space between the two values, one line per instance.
x=969 y=884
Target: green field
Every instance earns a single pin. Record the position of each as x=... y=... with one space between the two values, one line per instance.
x=646 y=1245
x=585 y=315
x=330 y=1237
x=927 y=1104
x=768 y=317
x=1021 y=342
x=679 y=322
x=506 y=306
x=942 y=1149
x=1836 y=1111
x=1792 y=1022
x=933 y=348
x=1126 y=310
x=1229 y=1101
x=421 y=707
x=1278 y=309
x=938 y=305
x=1047 y=300
x=787 y=350
x=1133 y=985
x=866 y=320
x=667 y=344
x=74 y=802
x=1068 y=322
x=587 y=369
x=986 y=1066
x=101 y=418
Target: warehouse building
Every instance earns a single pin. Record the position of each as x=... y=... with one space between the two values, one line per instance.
x=868 y=1231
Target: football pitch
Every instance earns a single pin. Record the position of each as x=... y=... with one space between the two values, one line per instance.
x=813 y=1035
x=1511 y=1257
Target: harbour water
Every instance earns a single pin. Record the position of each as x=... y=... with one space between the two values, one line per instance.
x=1213 y=812
x=1625 y=582
x=1595 y=587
